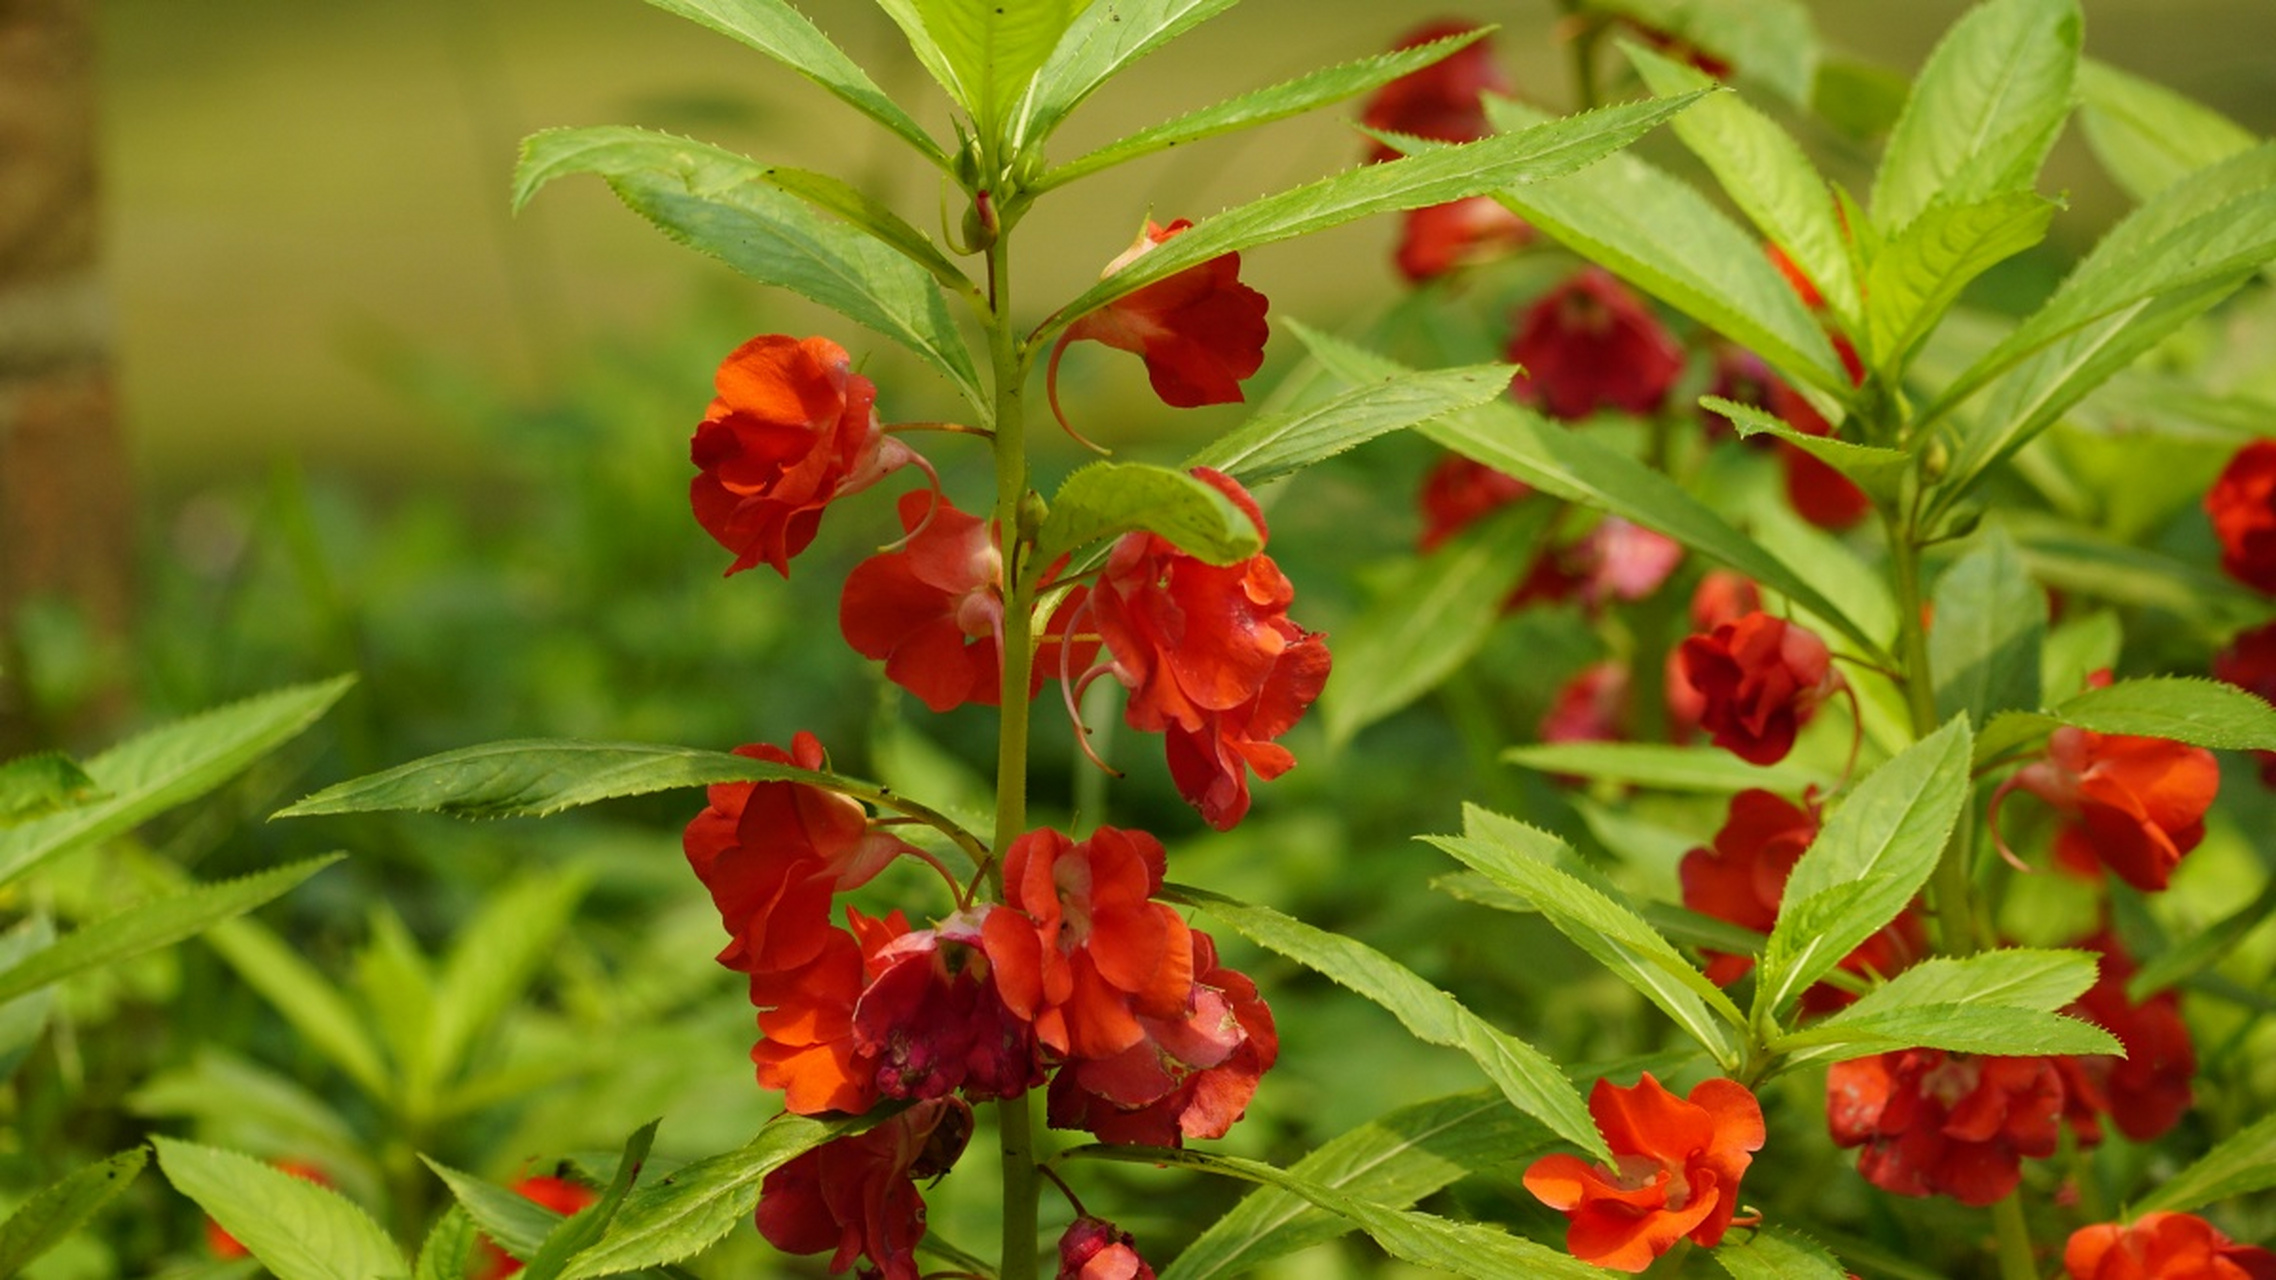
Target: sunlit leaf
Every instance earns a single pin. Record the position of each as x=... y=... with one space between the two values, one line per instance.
x=297 y=1229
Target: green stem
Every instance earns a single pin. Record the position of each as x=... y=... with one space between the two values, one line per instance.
x=1949 y=889
x=2015 y=1260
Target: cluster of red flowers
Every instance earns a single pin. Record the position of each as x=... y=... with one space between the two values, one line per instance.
x=2242 y=504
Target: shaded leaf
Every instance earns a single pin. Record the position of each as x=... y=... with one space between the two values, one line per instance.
x=39 y=784
x=1108 y=499
x=1875 y=469
x=1274 y=445
x=1645 y=764
x=2147 y=136
x=1772 y=1253
x=533 y=777
x=317 y=1010
x=55 y=1211
x=1103 y=39
x=449 y=1248
x=1990 y=622
x=2189 y=709
x=1919 y=272
x=2243 y=1162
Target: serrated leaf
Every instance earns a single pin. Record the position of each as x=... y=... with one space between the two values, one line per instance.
x=1875 y=469
x=1767 y=175
x=1509 y=160
x=1984 y=110
x=580 y=1230
x=779 y=31
x=1395 y=1159
x=2239 y=1164
x=297 y=1229
x=1527 y=1078
x=55 y=1211
x=1861 y=99
x=448 y=1249
x=1578 y=468
x=147 y=926
x=516 y=1224
x=1435 y=620
x=1990 y=622
x=154 y=771
x=317 y=1010
x=1771 y=43
x=533 y=777
x=1771 y=1253
x=994 y=48
x=2147 y=136
x=945 y=71
x=39 y=784
x=1919 y=272
x=1108 y=499
x=1277 y=102
x=1276 y=444
x=274 y=1113
x=723 y=204
x=1955 y=1028
x=1657 y=233
x=1101 y=41
x=2008 y=983
x=1867 y=862
x=1647 y=764
x=2186 y=709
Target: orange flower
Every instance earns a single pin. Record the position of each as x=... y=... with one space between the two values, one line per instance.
x=2163 y=1246
x=1759 y=679
x=2242 y=503
x=2133 y=805
x=1676 y=1171
x=1201 y=331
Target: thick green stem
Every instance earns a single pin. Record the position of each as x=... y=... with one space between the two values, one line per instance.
x=2015 y=1260
x=1950 y=891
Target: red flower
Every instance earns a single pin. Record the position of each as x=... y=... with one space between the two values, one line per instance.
x=1760 y=677
x=558 y=1194
x=1796 y=278
x=1589 y=344
x=1458 y=493
x=1444 y=101
x=933 y=611
x=226 y=1246
x=2249 y=663
x=1437 y=238
x=932 y=1017
x=1723 y=595
x=1934 y=1123
x=2144 y=1092
x=1201 y=331
x=807 y=1047
x=1211 y=660
x=857 y=1196
x=1819 y=493
x=2132 y=805
x=2242 y=503
x=793 y=429
x=1679 y=48
x=1676 y=1176
x=1590 y=707
x=1094 y=1249
x=2163 y=1246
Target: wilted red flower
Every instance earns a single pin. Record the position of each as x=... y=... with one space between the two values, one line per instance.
x=2242 y=503
x=2146 y=1091
x=1444 y=101
x=1933 y=1123
x=1200 y=331
x=932 y=1017
x=1437 y=238
x=1676 y=1176
x=1210 y=658
x=1760 y=678
x=933 y=611
x=226 y=1246
x=2163 y=1246
x=1590 y=344
x=1095 y=1249
x=2132 y=805
x=856 y=1197
x=1458 y=493
x=558 y=1194
x=2249 y=663
x=793 y=429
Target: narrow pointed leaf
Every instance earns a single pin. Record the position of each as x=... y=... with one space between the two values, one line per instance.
x=1919 y=273
x=297 y=1229
x=2242 y=1163
x=1772 y=1253
x=1770 y=43
x=1871 y=467
x=2147 y=136
x=1648 y=764
x=2202 y=949
x=945 y=70
x=448 y=1249
x=55 y=1211
x=2199 y=712
x=1997 y=1002
x=994 y=47
x=1991 y=620
x=1274 y=445
x=779 y=31
x=581 y=1230
x=1102 y=40
x=726 y=205
x=515 y=1223
x=533 y=777
x=1108 y=499
x=25 y=1017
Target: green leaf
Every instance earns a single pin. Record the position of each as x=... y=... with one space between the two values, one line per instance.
x=909 y=16
x=154 y=771
x=1875 y=469
x=994 y=48
x=1767 y=42
x=493 y=960
x=1867 y=862
x=2188 y=709
x=678 y=1215
x=449 y=1248
x=1102 y=40
x=1990 y=622
x=1274 y=445
x=316 y=1009
x=1998 y=1002
x=36 y=785
x=1861 y=99
x=1435 y=619
x=1858 y=587
x=2202 y=948
x=56 y=1210
x=1614 y=936
x=583 y=1228
x=726 y=205
x=1108 y=499
x=24 y=1018
x=1646 y=764
x=147 y=926
x=2147 y=136
x=1577 y=467
x=297 y=1229
x=779 y=31
x=1771 y=1253
x=1919 y=272
x=533 y=777
x=1984 y=110
x=2242 y=1163
x=1657 y=233
x=1278 y=102
x=1529 y=155
x=1528 y=1079
x=517 y=1225
x=1395 y=1159
x=1765 y=173
x=226 y=1092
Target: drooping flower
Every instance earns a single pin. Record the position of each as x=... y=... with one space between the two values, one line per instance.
x=1590 y=344
x=2242 y=503
x=1201 y=331
x=1458 y=493
x=1095 y=1249
x=1210 y=659
x=2249 y=663
x=792 y=430
x=558 y=1194
x=1438 y=238
x=856 y=1197
x=1676 y=1173
x=2146 y=1091
x=1760 y=678
x=1444 y=101
x=2163 y=1246
x=931 y=1015
x=933 y=611
x=1937 y=1123
x=2131 y=805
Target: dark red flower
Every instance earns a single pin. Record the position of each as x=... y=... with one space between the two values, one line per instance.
x=1614 y=560
x=793 y=429
x=1438 y=238
x=1679 y=48
x=2242 y=503
x=1760 y=678
x=1933 y=1123
x=1458 y=493
x=1590 y=344
x=1210 y=658
x=2131 y=805
x=1676 y=1176
x=2163 y=1246
x=1819 y=493
x=1444 y=101
x=1201 y=331
x=1590 y=707
x=1742 y=377
x=2249 y=663
x=2146 y=1091
x=931 y=1016
x=1095 y=1249
x=558 y=1194
x=856 y=1197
